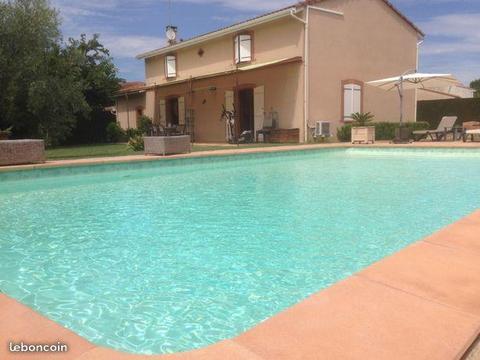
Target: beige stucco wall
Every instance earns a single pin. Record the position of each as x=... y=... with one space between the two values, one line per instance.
x=127 y=110
x=369 y=42
x=276 y=40
x=283 y=94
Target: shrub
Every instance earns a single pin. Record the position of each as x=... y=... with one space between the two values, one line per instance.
x=136 y=143
x=6 y=133
x=344 y=133
x=362 y=119
x=144 y=125
x=383 y=130
x=133 y=132
x=115 y=133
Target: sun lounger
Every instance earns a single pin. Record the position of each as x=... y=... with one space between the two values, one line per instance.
x=440 y=133
x=470 y=129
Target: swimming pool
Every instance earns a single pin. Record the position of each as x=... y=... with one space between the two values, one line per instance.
x=171 y=255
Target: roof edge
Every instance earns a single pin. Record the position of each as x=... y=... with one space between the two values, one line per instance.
x=264 y=18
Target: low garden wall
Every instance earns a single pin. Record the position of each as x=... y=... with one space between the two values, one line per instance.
x=17 y=152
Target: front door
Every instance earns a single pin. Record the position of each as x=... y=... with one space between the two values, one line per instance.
x=246 y=113
x=172 y=113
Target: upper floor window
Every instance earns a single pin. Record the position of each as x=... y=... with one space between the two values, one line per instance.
x=170 y=66
x=243 y=48
x=352 y=99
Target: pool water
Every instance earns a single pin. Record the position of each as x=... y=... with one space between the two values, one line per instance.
x=167 y=256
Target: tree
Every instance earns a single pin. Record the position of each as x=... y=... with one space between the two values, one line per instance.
x=49 y=88
x=28 y=30
x=55 y=98
x=100 y=81
x=476 y=86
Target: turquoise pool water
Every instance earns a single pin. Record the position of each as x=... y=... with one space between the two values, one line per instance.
x=168 y=256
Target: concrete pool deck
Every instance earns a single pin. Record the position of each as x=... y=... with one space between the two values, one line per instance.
x=233 y=150
x=422 y=302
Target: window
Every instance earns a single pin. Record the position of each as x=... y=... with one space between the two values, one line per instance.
x=170 y=66
x=352 y=100
x=243 y=48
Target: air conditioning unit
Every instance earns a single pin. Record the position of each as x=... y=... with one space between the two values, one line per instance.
x=322 y=129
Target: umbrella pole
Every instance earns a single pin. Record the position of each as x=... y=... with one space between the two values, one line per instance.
x=400 y=91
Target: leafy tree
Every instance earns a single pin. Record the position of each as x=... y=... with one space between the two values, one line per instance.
x=476 y=85
x=28 y=30
x=55 y=98
x=99 y=78
x=49 y=88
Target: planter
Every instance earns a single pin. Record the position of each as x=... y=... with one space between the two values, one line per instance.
x=4 y=135
x=165 y=145
x=363 y=134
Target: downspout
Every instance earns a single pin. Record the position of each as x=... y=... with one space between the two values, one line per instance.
x=416 y=67
x=306 y=91
x=128 y=112
x=305 y=70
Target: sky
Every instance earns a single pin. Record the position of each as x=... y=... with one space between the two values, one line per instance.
x=129 y=27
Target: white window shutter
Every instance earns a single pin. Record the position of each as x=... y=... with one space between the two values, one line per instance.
x=352 y=100
x=259 y=107
x=245 y=48
x=347 y=102
x=163 y=113
x=229 y=100
x=237 y=50
x=181 y=110
x=357 y=99
x=171 y=66
x=229 y=106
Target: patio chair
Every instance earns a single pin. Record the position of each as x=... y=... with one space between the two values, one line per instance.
x=470 y=129
x=268 y=125
x=440 y=133
x=181 y=129
x=157 y=130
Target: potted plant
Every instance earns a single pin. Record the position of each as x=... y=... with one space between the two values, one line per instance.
x=362 y=133
x=5 y=134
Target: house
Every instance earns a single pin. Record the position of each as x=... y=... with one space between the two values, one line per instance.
x=298 y=65
x=130 y=103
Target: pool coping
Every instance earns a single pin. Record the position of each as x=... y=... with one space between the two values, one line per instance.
x=422 y=302
x=232 y=151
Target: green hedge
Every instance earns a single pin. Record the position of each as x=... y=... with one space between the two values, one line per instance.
x=432 y=111
x=383 y=130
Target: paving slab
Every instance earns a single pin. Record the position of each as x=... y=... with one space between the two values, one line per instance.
x=361 y=319
x=437 y=273
x=464 y=234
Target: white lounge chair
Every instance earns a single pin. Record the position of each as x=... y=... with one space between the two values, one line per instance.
x=440 y=133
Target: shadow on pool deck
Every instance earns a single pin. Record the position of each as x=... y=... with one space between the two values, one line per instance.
x=422 y=302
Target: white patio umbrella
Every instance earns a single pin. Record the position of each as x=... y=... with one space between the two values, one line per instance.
x=413 y=80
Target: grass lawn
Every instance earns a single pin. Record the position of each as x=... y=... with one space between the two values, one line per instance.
x=107 y=150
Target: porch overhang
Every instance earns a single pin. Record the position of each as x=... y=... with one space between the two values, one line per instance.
x=295 y=59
